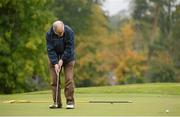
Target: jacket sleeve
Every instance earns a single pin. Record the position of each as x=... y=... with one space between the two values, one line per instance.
x=51 y=52
x=69 y=46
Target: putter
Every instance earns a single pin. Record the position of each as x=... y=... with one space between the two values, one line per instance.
x=57 y=88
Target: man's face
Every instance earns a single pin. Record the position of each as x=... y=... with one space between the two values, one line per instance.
x=60 y=30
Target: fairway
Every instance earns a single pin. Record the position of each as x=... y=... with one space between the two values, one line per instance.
x=147 y=100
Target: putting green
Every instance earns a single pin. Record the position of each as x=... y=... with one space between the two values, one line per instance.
x=147 y=100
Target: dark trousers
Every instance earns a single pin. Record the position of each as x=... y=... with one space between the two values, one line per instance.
x=69 y=83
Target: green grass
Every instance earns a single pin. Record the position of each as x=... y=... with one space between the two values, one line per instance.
x=148 y=100
x=156 y=88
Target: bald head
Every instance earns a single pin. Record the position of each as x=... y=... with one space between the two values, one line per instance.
x=58 y=27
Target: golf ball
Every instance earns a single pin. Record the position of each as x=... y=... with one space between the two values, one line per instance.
x=167 y=111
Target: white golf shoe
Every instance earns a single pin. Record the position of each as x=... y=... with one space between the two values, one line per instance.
x=70 y=105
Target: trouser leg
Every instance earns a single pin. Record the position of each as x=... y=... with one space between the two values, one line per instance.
x=69 y=82
x=54 y=85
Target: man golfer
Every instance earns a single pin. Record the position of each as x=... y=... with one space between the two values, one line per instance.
x=61 y=54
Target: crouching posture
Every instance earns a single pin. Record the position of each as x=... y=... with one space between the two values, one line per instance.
x=61 y=54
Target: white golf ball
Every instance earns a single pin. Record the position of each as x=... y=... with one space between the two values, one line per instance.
x=167 y=111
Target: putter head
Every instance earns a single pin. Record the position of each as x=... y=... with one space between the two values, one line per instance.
x=56 y=105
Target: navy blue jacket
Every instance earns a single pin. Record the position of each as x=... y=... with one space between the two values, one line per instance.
x=60 y=47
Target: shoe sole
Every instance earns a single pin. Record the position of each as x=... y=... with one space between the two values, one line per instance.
x=55 y=107
x=69 y=108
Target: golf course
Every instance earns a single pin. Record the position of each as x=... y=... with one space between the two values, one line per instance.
x=104 y=57
x=159 y=99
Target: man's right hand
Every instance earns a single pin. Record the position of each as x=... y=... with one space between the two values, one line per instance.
x=57 y=68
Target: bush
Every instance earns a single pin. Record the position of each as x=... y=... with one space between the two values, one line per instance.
x=160 y=72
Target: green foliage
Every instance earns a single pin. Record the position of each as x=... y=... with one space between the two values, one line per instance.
x=161 y=72
x=22 y=50
x=156 y=22
x=87 y=50
x=75 y=13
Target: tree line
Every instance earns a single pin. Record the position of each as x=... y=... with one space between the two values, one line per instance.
x=140 y=48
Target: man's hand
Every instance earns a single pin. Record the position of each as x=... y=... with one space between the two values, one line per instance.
x=57 y=68
x=60 y=63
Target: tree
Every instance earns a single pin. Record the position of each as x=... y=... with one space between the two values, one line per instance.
x=75 y=13
x=173 y=45
x=22 y=53
x=88 y=46
x=156 y=26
